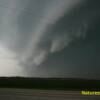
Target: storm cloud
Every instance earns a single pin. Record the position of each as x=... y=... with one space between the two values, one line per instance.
x=34 y=29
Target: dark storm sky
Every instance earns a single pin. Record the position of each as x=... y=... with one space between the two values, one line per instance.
x=50 y=38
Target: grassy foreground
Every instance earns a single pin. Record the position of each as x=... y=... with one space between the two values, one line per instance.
x=49 y=83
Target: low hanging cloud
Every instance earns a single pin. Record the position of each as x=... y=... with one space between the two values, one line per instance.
x=61 y=25
x=44 y=38
x=36 y=28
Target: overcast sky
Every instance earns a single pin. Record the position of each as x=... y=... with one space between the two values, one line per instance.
x=50 y=38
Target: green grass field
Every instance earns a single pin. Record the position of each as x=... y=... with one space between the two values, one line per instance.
x=49 y=83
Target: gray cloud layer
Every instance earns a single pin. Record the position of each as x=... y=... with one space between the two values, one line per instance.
x=33 y=29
